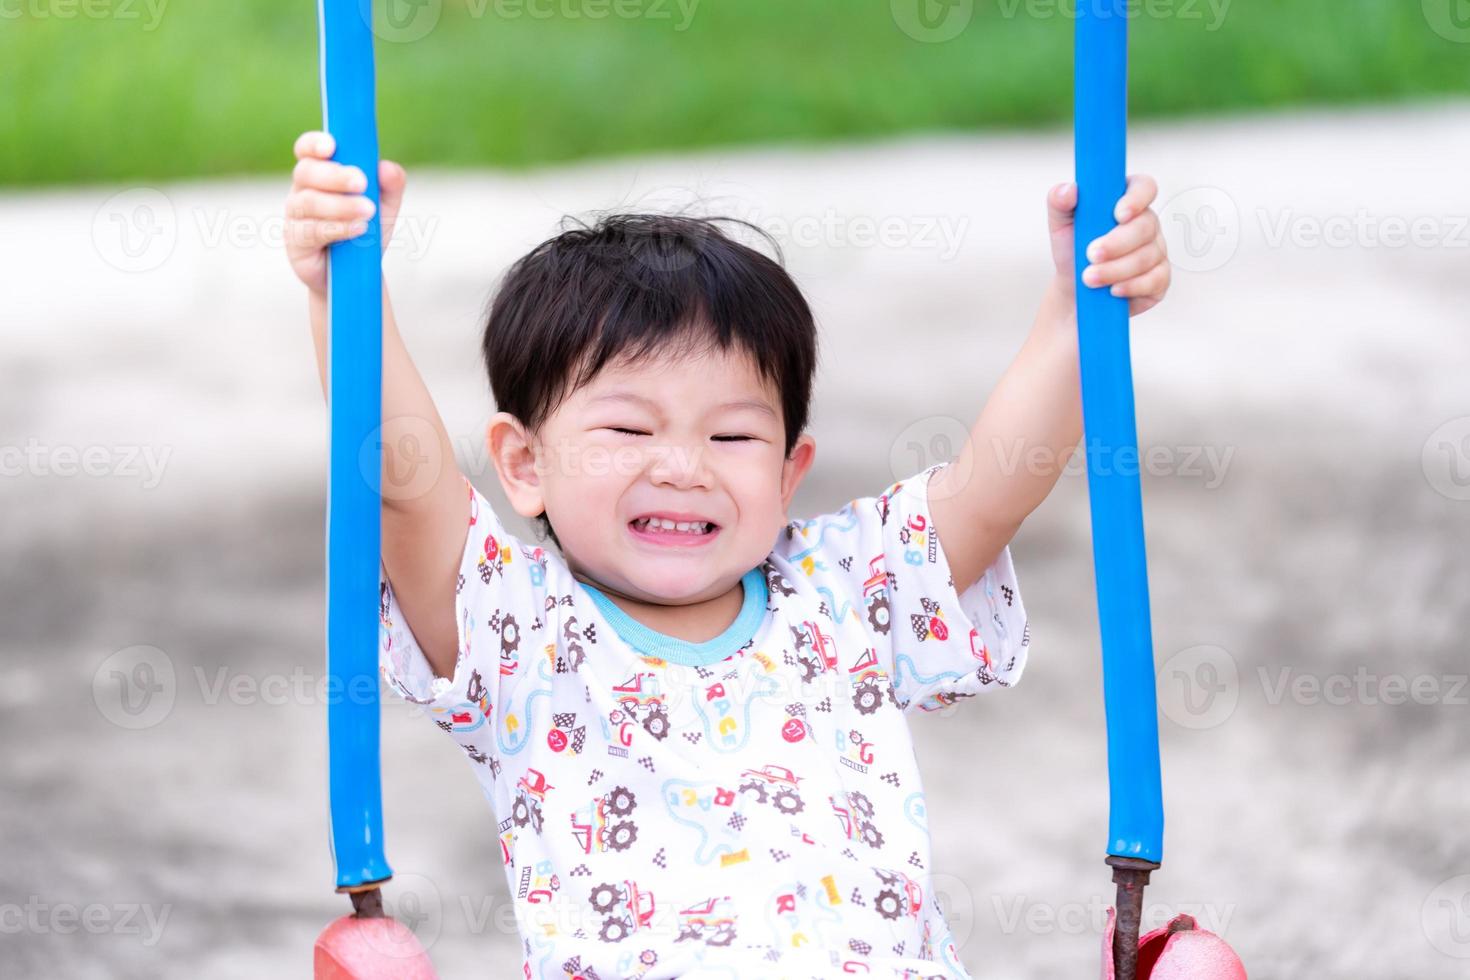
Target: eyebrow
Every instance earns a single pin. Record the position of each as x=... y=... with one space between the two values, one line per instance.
x=627 y=396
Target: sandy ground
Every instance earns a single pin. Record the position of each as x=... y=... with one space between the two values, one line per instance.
x=1306 y=506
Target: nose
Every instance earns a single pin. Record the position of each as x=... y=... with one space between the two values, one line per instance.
x=679 y=464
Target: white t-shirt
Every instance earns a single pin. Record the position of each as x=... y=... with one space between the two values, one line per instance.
x=748 y=806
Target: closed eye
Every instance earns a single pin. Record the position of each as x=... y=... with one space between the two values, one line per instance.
x=635 y=432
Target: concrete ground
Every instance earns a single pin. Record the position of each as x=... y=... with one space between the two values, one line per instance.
x=1303 y=390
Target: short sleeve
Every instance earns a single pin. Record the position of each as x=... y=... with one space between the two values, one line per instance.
x=884 y=556
x=501 y=610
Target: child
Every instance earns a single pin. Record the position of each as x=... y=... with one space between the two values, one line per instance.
x=690 y=722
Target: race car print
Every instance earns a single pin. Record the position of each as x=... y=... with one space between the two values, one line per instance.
x=531 y=792
x=604 y=824
x=639 y=698
x=711 y=922
x=625 y=908
x=855 y=814
x=774 y=784
x=875 y=596
x=870 y=685
x=899 y=896
x=816 y=651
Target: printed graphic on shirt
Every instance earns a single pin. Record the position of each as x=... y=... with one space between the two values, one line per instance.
x=760 y=815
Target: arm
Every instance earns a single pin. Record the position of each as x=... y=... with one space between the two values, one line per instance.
x=425 y=502
x=1017 y=448
x=1032 y=422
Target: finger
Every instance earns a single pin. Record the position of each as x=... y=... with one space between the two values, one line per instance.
x=1135 y=263
x=325 y=175
x=391 y=181
x=1061 y=206
x=1140 y=193
x=391 y=176
x=315 y=143
x=313 y=235
x=307 y=204
x=1125 y=238
x=1154 y=282
x=1142 y=305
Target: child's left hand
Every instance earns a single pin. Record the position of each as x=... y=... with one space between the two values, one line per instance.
x=1132 y=258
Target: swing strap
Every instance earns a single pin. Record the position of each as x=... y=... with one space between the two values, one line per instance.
x=355 y=380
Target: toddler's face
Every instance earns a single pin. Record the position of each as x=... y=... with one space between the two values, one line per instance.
x=697 y=440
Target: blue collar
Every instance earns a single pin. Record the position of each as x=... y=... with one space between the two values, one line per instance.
x=664 y=647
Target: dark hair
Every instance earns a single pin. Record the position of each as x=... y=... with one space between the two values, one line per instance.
x=631 y=286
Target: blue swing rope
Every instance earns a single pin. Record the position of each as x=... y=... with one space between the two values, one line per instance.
x=1136 y=817
x=355 y=354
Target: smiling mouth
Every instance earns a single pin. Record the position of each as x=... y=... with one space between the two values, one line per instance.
x=662 y=531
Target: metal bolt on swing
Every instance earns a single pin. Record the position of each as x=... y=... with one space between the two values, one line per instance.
x=368 y=904
x=1130 y=875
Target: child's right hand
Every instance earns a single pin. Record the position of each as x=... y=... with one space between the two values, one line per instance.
x=327 y=204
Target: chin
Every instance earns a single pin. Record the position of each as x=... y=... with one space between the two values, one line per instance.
x=677 y=583
x=673 y=588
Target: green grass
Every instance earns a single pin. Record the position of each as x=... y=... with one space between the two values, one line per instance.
x=223 y=87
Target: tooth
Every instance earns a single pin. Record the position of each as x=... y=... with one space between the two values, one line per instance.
x=659 y=524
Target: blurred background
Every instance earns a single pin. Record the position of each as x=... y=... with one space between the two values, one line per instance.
x=1302 y=409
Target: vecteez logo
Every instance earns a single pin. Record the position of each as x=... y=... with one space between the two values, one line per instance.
x=402 y=21
x=1199 y=687
x=1203 y=228
x=135 y=687
x=932 y=21
x=1450 y=19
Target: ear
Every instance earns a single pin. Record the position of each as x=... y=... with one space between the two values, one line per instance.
x=795 y=468
x=513 y=452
